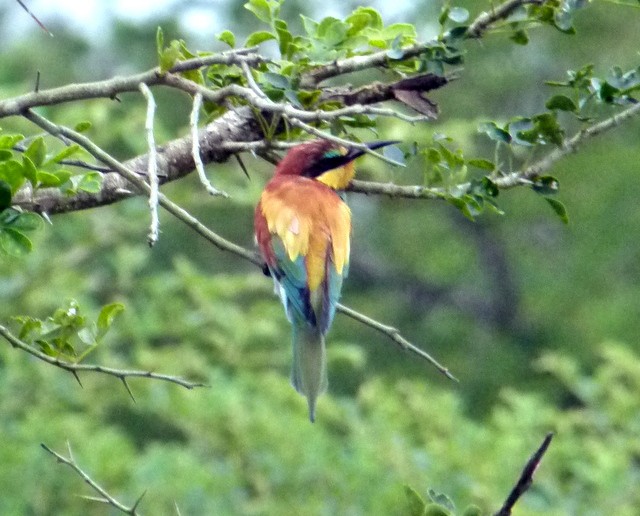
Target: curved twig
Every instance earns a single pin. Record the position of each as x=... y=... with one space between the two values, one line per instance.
x=121 y=374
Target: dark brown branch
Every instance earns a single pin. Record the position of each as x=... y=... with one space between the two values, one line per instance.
x=526 y=478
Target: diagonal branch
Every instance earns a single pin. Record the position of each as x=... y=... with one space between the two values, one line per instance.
x=73 y=368
x=104 y=496
x=526 y=477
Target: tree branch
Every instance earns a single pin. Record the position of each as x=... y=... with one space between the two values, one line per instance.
x=394 y=335
x=121 y=374
x=485 y=20
x=526 y=478
x=110 y=88
x=357 y=63
x=200 y=228
x=104 y=497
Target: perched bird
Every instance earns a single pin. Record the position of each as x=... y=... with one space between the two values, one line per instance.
x=303 y=227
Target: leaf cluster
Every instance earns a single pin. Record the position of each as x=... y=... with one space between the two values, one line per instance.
x=67 y=334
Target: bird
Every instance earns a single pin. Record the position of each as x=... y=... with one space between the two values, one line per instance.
x=303 y=229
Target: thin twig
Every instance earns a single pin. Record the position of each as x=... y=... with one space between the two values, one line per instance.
x=40 y=24
x=251 y=81
x=341 y=141
x=73 y=368
x=501 y=12
x=104 y=497
x=395 y=336
x=526 y=478
x=195 y=148
x=152 y=167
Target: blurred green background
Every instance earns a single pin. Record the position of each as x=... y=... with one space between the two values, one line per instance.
x=538 y=320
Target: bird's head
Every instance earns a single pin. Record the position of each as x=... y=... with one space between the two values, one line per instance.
x=324 y=161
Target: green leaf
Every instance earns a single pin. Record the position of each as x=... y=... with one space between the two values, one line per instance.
x=559 y=208
x=332 y=32
x=81 y=127
x=47 y=179
x=170 y=56
x=5 y=195
x=458 y=14
x=64 y=154
x=441 y=499
x=5 y=154
x=520 y=37
x=494 y=132
x=393 y=152
x=548 y=128
x=29 y=170
x=261 y=10
x=7 y=141
x=27 y=221
x=106 y=317
x=284 y=37
x=12 y=172
x=472 y=510
x=91 y=182
x=258 y=37
x=14 y=242
x=546 y=185
x=436 y=510
x=561 y=103
x=364 y=17
x=227 y=37
x=310 y=25
x=481 y=163
x=415 y=503
x=292 y=97
x=37 y=151
x=277 y=80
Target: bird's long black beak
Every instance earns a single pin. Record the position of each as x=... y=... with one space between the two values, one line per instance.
x=334 y=162
x=356 y=153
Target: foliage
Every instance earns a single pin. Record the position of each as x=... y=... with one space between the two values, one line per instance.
x=488 y=298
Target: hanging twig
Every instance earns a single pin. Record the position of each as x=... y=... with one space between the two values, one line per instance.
x=195 y=148
x=152 y=166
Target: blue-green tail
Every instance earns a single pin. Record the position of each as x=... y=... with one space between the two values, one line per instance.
x=309 y=371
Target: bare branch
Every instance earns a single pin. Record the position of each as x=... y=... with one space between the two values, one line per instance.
x=501 y=12
x=104 y=497
x=111 y=87
x=394 y=335
x=152 y=169
x=74 y=369
x=526 y=478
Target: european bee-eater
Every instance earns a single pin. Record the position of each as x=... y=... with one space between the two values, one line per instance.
x=303 y=227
